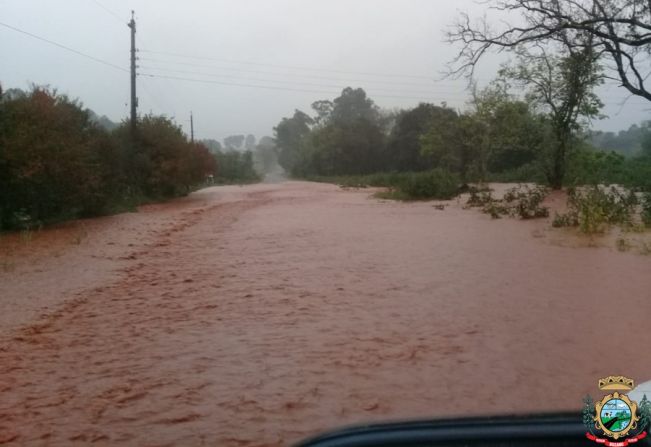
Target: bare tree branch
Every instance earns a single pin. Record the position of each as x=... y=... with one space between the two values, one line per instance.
x=619 y=30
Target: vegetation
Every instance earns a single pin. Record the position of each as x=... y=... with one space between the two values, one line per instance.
x=629 y=143
x=562 y=87
x=434 y=184
x=235 y=167
x=594 y=209
x=501 y=137
x=58 y=161
x=522 y=201
x=613 y=30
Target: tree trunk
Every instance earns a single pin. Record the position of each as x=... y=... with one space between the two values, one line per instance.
x=558 y=165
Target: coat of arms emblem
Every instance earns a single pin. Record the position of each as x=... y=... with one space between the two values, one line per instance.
x=616 y=420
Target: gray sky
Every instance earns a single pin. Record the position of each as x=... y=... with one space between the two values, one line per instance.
x=394 y=49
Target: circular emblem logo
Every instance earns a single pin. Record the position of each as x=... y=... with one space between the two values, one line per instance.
x=616 y=415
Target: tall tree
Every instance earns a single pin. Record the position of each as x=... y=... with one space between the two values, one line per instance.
x=619 y=31
x=352 y=105
x=404 y=146
x=249 y=142
x=513 y=133
x=289 y=135
x=234 y=142
x=562 y=86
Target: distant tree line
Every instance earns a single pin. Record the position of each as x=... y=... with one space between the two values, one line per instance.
x=500 y=136
x=59 y=161
x=630 y=142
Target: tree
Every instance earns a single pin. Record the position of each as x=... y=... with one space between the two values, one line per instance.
x=234 y=166
x=50 y=154
x=213 y=145
x=347 y=137
x=234 y=142
x=323 y=109
x=646 y=141
x=618 y=30
x=345 y=148
x=561 y=86
x=513 y=133
x=453 y=142
x=249 y=142
x=352 y=105
x=289 y=136
x=404 y=146
x=265 y=156
x=162 y=158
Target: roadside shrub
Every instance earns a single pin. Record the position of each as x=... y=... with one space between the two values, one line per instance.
x=49 y=160
x=56 y=163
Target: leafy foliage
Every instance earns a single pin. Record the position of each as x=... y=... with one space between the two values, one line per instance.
x=646 y=209
x=561 y=85
x=235 y=167
x=593 y=209
x=57 y=162
x=433 y=184
x=522 y=201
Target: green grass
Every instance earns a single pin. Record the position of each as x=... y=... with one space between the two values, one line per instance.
x=435 y=184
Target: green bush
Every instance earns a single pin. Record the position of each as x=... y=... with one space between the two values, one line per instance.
x=530 y=172
x=56 y=163
x=646 y=209
x=526 y=202
x=434 y=184
x=594 y=208
x=522 y=201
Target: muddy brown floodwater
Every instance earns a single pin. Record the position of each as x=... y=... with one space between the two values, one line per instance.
x=256 y=316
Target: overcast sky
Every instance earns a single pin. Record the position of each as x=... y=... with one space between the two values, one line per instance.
x=394 y=49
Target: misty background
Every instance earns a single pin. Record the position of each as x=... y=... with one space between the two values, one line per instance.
x=242 y=65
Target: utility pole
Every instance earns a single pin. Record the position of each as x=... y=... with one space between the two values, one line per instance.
x=134 y=98
x=191 y=127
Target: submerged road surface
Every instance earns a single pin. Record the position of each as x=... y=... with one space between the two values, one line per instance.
x=255 y=316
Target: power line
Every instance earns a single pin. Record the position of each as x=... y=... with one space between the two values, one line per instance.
x=390 y=75
x=79 y=53
x=113 y=14
x=266 y=87
x=283 y=75
x=344 y=83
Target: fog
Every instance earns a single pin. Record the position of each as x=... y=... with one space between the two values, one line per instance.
x=251 y=62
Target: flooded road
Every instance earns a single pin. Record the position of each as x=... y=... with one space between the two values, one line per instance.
x=258 y=315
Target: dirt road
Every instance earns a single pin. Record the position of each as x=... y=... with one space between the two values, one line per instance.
x=259 y=315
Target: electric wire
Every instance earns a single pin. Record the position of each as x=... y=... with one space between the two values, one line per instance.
x=268 y=87
x=390 y=75
x=72 y=50
x=344 y=83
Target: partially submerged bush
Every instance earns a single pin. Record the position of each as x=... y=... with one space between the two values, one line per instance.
x=522 y=201
x=527 y=202
x=646 y=209
x=434 y=184
x=593 y=209
x=479 y=197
